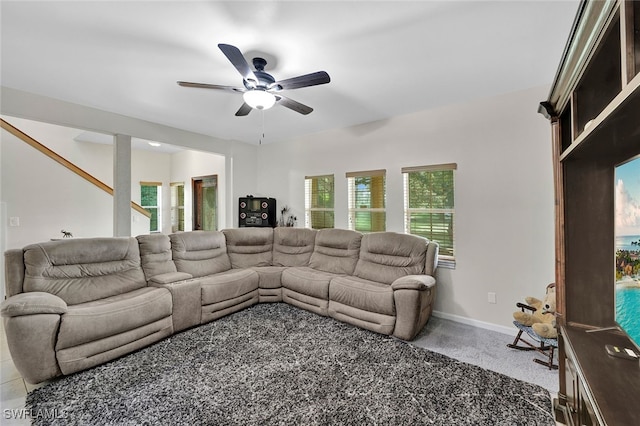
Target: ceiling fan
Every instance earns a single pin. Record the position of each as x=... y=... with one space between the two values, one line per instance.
x=261 y=90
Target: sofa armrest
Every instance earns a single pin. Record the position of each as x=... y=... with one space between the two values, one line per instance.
x=187 y=303
x=31 y=323
x=33 y=303
x=414 y=282
x=413 y=296
x=169 y=277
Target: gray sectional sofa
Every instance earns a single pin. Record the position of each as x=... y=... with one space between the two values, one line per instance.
x=73 y=304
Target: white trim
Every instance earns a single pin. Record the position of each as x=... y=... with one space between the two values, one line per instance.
x=480 y=324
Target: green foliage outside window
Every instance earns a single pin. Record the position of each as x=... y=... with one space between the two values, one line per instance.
x=320 y=200
x=149 y=201
x=430 y=202
x=368 y=192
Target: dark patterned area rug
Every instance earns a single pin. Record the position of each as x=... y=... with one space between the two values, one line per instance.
x=277 y=364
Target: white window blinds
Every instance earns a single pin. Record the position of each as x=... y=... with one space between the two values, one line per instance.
x=177 y=206
x=319 y=202
x=367 y=194
x=429 y=209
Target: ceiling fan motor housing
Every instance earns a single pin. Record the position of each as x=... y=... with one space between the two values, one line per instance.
x=265 y=80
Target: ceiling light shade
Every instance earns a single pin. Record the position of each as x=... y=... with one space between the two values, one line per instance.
x=259 y=99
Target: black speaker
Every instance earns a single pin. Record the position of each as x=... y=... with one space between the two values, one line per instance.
x=257 y=211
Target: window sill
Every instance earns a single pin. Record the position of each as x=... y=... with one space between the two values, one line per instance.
x=447 y=263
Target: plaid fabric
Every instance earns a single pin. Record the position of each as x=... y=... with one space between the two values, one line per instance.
x=527 y=329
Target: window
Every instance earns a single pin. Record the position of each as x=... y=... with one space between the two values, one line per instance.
x=319 y=200
x=367 y=201
x=177 y=206
x=429 y=206
x=150 y=200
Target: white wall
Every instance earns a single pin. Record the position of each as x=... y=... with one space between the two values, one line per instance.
x=60 y=139
x=48 y=198
x=503 y=200
x=49 y=181
x=240 y=158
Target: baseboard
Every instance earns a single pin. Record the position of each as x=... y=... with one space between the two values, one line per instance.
x=480 y=324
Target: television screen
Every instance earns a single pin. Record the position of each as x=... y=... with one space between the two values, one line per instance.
x=254 y=204
x=627 y=240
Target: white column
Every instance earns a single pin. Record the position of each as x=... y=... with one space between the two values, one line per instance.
x=231 y=219
x=122 y=186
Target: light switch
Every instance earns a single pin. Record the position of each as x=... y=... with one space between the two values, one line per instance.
x=14 y=221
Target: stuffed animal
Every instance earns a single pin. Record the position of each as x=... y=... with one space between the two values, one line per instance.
x=543 y=319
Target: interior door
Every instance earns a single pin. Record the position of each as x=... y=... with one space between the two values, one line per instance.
x=205 y=203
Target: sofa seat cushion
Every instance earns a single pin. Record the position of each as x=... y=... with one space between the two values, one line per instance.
x=91 y=321
x=270 y=276
x=363 y=294
x=228 y=285
x=308 y=281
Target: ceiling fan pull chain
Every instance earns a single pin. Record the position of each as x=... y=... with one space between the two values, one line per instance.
x=262 y=111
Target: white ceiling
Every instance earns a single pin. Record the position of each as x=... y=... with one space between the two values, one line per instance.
x=384 y=58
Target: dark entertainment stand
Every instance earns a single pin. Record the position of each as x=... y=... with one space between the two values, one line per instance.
x=600 y=389
x=594 y=108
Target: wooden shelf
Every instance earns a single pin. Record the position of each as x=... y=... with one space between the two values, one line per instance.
x=594 y=107
x=618 y=101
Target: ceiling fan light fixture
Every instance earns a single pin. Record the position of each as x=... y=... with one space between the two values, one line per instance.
x=259 y=99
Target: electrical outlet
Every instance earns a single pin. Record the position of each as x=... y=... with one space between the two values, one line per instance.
x=14 y=221
x=491 y=297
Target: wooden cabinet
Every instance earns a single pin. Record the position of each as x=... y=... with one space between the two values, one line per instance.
x=594 y=108
x=599 y=389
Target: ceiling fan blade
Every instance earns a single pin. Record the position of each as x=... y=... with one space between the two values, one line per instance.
x=234 y=55
x=210 y=86
x=313 y=79
x=244 y=110
x=293 y=105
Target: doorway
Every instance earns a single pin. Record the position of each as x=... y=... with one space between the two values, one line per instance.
x=205 y=203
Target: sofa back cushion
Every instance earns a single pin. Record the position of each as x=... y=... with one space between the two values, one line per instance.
x=293 y=246
x=249 y=247
x=387 y=256
x=155 y=255
x=84 y=269
x=336 y=251
x=200 y=253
